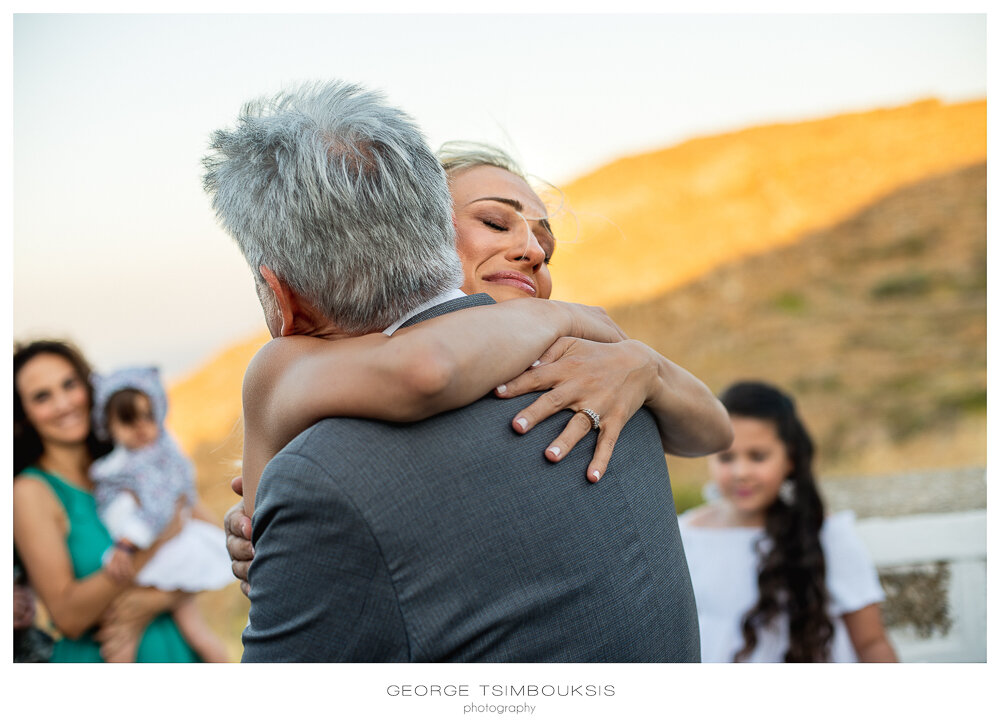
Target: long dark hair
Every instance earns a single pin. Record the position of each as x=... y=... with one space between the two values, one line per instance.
x=791 y=577
x=28 y=446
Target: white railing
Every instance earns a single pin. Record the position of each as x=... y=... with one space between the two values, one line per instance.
x=940 y=558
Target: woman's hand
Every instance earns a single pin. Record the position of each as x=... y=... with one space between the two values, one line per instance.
x=591 y=323
x=127 y=617
x=613 y=380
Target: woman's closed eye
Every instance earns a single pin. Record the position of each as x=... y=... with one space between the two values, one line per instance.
x=495 y=225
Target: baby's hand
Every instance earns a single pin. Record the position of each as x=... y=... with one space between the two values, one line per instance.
x=121 y=566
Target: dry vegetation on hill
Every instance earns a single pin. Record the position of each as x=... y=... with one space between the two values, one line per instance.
x=649 y=223
x=877 y=325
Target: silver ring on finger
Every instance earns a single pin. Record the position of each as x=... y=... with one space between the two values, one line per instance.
x=595 y=419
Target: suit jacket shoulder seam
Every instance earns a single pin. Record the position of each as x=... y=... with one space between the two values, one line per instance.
x=378 y=545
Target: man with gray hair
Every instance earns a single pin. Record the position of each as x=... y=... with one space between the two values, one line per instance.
x=339 y=196
x=443 y=540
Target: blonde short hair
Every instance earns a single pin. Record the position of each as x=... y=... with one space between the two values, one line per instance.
x=459 y=155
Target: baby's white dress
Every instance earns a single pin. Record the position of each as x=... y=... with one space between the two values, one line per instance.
x=193 y=560
x=136 y=493
x=723 y=565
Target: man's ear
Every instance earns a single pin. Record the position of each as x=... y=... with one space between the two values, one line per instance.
x=284 y=298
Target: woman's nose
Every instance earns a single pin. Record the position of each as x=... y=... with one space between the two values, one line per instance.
x=63 y=402
x=528 y=250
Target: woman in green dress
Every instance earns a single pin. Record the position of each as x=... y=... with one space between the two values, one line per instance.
x=57 y=532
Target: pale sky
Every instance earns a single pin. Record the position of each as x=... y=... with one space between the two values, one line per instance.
x=116 y=247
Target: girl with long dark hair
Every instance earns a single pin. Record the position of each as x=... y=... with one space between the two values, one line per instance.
x=774 y=579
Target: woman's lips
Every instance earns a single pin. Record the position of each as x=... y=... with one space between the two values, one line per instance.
x=513 y=279
x=70 y=423
x=70 y=419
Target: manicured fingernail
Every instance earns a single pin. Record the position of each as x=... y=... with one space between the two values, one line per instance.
x=521 y=423
x=536 y=363
x=555 y=451
x=597 y=475
x=501 y=388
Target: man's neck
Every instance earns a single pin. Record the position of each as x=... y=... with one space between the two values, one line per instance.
x=330 y=332
x=314 y=326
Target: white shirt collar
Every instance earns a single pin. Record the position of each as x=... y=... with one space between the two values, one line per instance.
x=439 y=299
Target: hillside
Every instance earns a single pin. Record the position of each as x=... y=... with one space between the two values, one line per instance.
x=204 y=416
x=648 y=223
x=877 y=324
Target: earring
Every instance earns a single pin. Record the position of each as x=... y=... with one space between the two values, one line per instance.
x=787 y=492
x=710 y=491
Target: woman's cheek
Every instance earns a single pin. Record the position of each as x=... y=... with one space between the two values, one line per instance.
x=545 y=285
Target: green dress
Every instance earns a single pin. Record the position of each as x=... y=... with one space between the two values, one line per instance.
x=87 y=540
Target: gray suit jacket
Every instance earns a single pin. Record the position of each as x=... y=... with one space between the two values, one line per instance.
x=454 y=539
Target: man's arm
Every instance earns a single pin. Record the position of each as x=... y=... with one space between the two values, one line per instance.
x=319 y=587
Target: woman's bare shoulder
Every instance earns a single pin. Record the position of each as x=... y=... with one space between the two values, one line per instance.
x=271 y=361
x=306 y=359
x=29 y=480
x=31 y=490
x=282 y=352
x=279 y=351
